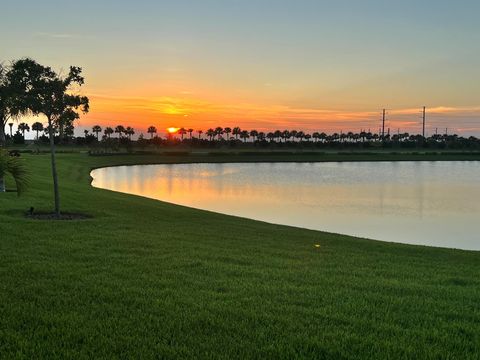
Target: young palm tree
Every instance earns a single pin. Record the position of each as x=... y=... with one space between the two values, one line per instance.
x=37 y=126
x=97 y=129
x=152 y=130
x=16 y=168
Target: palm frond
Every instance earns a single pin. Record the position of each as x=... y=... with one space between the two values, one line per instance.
x=17 y=168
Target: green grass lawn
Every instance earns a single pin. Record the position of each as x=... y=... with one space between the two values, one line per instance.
x=146 y=279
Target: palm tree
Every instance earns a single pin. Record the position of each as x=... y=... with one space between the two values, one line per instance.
x=85 y=132
x=315 y=136
x=261 y=136
x=37 y=126
x=97 y=129
x=120 y=130
x=308 y=137
x=244 y=135
x=286 y=135
x=22 y=127
x=210 y=133
x=227 y=131
x=219 y=132
x=254 y=134
x=11 y=128
x=108 y=131
x=200 y=132
x=129 y=132
x=190 y=131
x=323 y=137
x=293 y=134
x=270 y=136
x=236 y=131
x=16 y=168
x=182 y=132
x=300 y=135
x=278 y=134
x=152 y=130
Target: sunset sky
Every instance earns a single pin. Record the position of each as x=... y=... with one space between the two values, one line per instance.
x=260 y=64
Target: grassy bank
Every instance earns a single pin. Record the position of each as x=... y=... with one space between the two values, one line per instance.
x=145 y=279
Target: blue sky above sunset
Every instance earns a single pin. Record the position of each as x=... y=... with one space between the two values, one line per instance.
x=263 y=64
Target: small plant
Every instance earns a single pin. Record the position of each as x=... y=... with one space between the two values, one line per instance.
x=16 y=168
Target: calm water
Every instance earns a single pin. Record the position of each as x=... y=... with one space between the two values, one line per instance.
x=426 y=203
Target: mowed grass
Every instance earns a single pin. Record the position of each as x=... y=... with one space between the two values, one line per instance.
x=145 y=279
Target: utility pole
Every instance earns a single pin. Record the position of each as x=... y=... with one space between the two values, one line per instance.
x=424 y=118
x=383 y=124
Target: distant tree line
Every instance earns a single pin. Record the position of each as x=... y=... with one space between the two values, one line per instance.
x=114 y=138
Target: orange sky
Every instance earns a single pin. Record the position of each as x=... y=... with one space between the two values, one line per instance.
x=191 y=112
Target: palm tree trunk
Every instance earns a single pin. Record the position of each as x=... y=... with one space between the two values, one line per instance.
x=54 y=167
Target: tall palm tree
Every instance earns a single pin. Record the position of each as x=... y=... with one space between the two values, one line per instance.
x=37 y=126
x=190 y=131
x=300 y=135
x=129 y=132
x=108 y=131
x=97 y=129
x=120 y=130
x=236 y=131
x=293 y=134
x=219 y=132
x=200 y=132
x=254 y=134
x=152 y=130
x=16 y=168
x=210 y=134
x=270 y=136
x=244 y=135
x=182 y=132
x=278 y=134
x=23 y=127
x=227 y=131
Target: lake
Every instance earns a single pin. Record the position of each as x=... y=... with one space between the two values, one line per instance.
x=425 y=203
